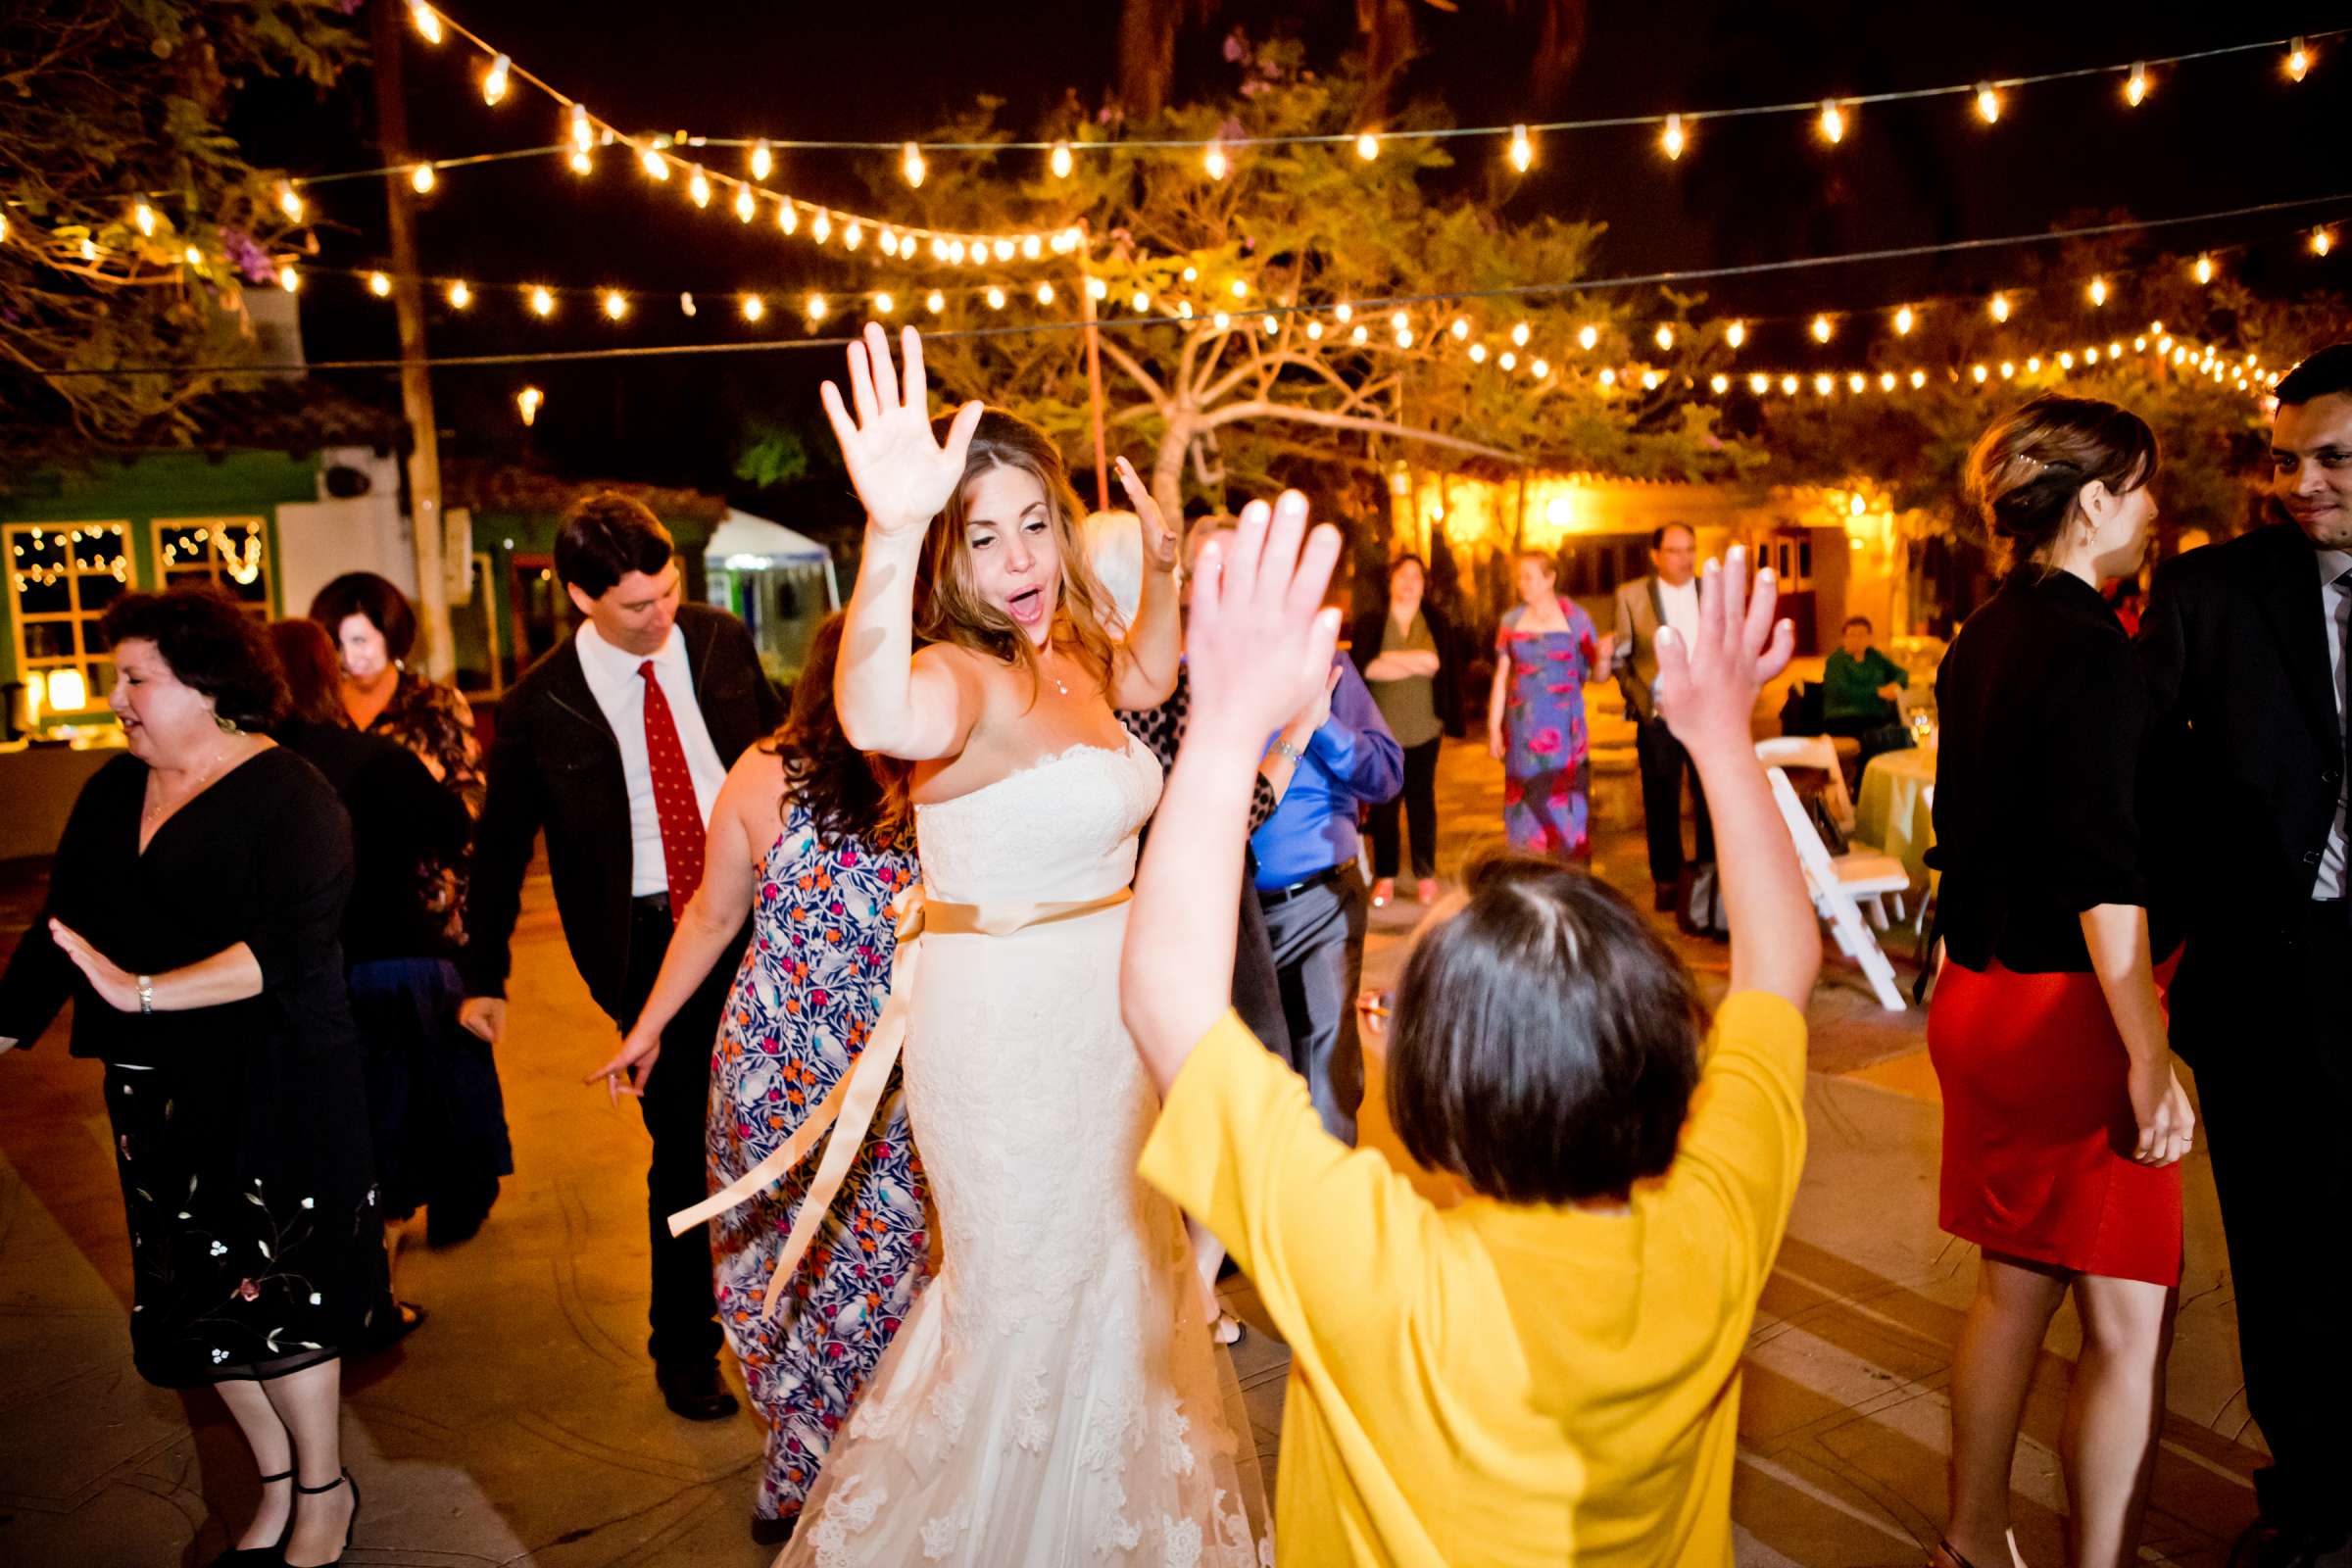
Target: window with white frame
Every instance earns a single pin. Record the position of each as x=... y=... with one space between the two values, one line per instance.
x=61 y=576
x=230 y=553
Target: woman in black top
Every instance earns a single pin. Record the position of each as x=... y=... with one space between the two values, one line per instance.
x=194 y=909
x=439 y=1118
x=1404 y=649
x=2064 y=1120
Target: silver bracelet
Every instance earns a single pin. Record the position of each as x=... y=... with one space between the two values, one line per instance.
x=1284 y=749
x=146 y=993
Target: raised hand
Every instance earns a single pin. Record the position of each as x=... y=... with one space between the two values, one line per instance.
x=1707 y=687
x=1159 y=539
x=1260 y=643
x=902 y=473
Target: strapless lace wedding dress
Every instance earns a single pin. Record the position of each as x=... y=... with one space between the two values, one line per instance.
x=1053 y=1397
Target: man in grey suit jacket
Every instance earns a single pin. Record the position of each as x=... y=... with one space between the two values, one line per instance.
x=1667 y=596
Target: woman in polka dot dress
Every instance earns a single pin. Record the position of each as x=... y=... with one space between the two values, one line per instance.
x=811 y=838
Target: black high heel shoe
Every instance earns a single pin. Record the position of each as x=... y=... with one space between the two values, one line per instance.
x=343 y=1480
x=259 y=1556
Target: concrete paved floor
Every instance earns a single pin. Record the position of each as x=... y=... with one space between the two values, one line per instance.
x=520 y=1424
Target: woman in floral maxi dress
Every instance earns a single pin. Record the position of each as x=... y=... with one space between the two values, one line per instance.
x=818 y=847
x=1544 y=653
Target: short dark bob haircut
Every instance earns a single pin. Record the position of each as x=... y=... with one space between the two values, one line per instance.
x=364 y=593
x=2327 y=373
x=1545 y=1041
x=603 y=537
x=211 y=646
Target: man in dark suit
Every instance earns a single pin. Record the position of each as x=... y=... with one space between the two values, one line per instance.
x=616 y=742
x=2244 y=644
x=1667 y=596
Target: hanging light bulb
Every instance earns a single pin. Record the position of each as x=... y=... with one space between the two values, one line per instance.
x=699 y=189
x=1998 y=305
x=1824 y=385
x=1270 y=325
x=1399 y=322
x=1672 y=138
x=763 y=160
x=1241 y=288
x=1367 y=146
x=2135 y=85
x=890 y=242
x=2034 y=365
x=1032 y=248
x=378 y=284
x=421 y=178
x=581 y=162
x=1833 y=121
x=817 y=308
x=427 y=20
x=1821 y=328
x=1098 y=288
x=2298 y=61
x=1044 y=294
x=820 y=228
x=996 y=298
x=144 y=216
x=1979 y=373
x=1140 y=302
x=1507 y=360
x=1344 y=311
x=1857 y=383
x=1886 y=380
x=1478 y=353
x=1460 y=328
x=460 y=295
x=754 y=307
x=1664 y=338
x=1719 y=383
x=1220 y=320
x=1520 y=334
x=654 y=163
x=2322 y=240
x=853 y=236
x=1789 y=386
x=1060 y=160
x=1588 y=338
x=1735 y=334
x=788 y=217
x=1919 y=378
x=2202 y=272
x=1216 y=160
x=1904 y=321
x=1759 y=383
x=494 y=81
x=1004 y=249
x=2008 y=371
x=1988 y=103
x=1523 y=151
x=745 y=206
x=910 y=165
x=1360 y=336
x=935 y=302
x=616 y=304
x=1539 y=368
x=543 y=301
x=583 y=135
x=2096 y=293
x=288 y=278
x=686 y=306
x=884 y=305
x=527 y=403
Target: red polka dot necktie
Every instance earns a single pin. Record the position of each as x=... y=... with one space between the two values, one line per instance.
x=674 y=805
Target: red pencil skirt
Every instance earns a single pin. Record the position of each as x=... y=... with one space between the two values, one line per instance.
x=2039 y=1130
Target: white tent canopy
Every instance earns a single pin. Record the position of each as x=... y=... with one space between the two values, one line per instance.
x=743 y=543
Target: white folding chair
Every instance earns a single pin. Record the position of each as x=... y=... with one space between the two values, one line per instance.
x=1842 y=886
x=1812 y=750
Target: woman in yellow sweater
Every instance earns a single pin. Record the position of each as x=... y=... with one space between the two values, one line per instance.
x=1547 y=1373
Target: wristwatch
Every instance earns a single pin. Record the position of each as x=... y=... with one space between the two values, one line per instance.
x=146 y=991
x=1286 y=751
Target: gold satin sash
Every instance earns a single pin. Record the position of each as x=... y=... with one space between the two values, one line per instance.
x=847 y=1110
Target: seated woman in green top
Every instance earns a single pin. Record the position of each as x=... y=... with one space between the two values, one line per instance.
x=1861 y=693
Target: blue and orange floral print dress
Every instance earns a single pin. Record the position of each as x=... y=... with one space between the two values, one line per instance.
x=1546 y=783
x=813 y=983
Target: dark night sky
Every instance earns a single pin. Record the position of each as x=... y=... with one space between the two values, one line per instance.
x=2214 y=134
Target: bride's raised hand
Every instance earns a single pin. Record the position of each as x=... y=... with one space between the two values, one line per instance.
x=902 y=473
x=1159 y=540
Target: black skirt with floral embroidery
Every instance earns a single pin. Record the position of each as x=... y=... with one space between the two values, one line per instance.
x=233 y=1278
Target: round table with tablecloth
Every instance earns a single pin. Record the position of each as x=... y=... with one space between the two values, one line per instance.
x=1891 y=813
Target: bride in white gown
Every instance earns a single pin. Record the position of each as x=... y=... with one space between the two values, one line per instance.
x=1052 y=1397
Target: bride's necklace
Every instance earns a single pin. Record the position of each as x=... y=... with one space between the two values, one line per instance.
x=1049 y=669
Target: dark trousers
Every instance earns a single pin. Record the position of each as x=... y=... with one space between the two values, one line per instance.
x=2263 y=1025
x=1418 y=801
x=1318 y=941
x=1256 y=987
x=435 y=1109
x=1875 y=736
x=1664 y=765
x=676 y=1107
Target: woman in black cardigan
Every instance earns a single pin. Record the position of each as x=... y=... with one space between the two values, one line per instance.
x=194 y=916
x=1405 y=649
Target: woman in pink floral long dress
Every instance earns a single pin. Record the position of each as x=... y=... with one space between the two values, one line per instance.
x=1544 y=653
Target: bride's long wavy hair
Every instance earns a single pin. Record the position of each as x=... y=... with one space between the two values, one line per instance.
x=850 y=794
x=950 y=607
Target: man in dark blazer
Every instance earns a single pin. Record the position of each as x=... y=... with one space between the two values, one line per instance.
x=615 y=744
x=2244 y=646
x=1667 y=596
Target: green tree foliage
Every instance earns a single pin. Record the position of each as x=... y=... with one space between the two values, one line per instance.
x=109 y=108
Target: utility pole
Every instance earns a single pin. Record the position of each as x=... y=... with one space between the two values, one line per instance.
x=415 y=380
x=1093 y=370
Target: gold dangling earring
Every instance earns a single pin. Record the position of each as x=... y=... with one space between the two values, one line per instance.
x=227 y=726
